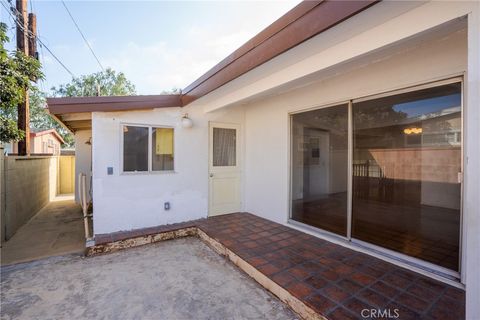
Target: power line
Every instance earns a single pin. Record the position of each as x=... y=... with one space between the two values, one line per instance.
x=81 y=33
x=16 y=21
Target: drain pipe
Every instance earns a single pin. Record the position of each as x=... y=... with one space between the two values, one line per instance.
x=82 y=184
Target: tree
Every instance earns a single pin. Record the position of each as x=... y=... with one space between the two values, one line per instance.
x=41 y=120
x=16 y=73
x=103 y=83
x=174 y=90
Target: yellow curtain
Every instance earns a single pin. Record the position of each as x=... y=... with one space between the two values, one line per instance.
x=164 y=141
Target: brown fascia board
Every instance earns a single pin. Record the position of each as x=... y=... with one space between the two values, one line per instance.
x=303 y=22
x=306 y=20
x=264 y=35
x=65 y=105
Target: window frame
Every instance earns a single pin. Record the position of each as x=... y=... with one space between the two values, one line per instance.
x=415 y=264
x=149 y=155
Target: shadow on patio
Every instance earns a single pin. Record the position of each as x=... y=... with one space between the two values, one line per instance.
x=57 y=229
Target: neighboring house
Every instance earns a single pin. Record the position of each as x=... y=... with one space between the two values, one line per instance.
x=355 y=121
x=41 y=142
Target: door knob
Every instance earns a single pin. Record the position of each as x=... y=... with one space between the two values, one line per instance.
x=211 y=175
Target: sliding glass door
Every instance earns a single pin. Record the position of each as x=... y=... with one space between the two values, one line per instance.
x=405 y=164
x=319 y=168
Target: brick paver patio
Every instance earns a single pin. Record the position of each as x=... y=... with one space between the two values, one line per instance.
x=335 y=281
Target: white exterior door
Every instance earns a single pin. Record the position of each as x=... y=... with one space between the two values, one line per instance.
x=224 y=169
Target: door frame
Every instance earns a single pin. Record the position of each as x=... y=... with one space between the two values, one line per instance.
x=415 y=264
x=238 y=159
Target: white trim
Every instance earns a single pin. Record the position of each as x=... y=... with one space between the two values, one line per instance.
x=149 y=154
x=350 y=171
x=414 y=87
x=415 y=262
x=336 y=239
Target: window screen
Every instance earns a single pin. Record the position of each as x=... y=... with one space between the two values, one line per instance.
x=135 y=148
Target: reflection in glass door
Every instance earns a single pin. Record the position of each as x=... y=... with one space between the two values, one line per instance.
x=405 y=158
x=319 y=168
x=406 y=163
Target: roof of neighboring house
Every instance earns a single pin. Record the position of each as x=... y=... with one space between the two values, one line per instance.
x=37 y=133
x=303 y=22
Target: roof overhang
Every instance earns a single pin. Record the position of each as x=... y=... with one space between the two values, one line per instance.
x=303 y=22
x=74 y=113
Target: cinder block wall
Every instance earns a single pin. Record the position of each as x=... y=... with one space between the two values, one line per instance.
x=30 y=183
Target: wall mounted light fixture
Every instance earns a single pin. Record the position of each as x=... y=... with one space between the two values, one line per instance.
x=186 y=121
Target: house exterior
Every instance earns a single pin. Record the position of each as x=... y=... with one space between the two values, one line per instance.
x=42 y=142
x=356 y=122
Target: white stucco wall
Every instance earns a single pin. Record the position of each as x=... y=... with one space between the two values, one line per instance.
x=83 y=160
x=267 y=180
x=136 y=200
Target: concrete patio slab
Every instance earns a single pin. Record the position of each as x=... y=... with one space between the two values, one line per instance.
x=178 y=279
x=55 y=230
x=316 y=278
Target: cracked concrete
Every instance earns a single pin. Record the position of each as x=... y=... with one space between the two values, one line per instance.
x=177 y=279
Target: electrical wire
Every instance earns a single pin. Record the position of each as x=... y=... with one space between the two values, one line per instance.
x=30 y=35
x=83 y=36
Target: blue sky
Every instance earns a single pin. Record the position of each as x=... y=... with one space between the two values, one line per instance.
x=425 y=106
x=157 y=44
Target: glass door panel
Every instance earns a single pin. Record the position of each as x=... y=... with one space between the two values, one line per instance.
x=406 y=163
x=320 y=168
x=224 y=147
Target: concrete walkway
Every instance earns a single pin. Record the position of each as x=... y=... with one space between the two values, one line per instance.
x=55 y=230
x=177 y=279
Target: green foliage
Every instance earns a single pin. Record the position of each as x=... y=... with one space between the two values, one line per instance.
x=9 y=131
x=174 y=90
x=41 y=120
x=104 y=83
x=16 y=74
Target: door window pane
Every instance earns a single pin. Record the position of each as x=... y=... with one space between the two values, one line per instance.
x=162 y=149
x=135 y=148
x=319 y=168
x=406 y=160
x=224 y=147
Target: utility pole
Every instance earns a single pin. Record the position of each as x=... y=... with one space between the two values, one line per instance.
x=23 y=108
x=32 y=39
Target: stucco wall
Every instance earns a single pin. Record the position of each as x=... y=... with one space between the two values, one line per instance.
x=30 y=183
x=125 y=201
x=83 y=160
x=267 y=182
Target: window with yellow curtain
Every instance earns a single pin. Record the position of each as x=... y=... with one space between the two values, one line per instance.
x=162 y=149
